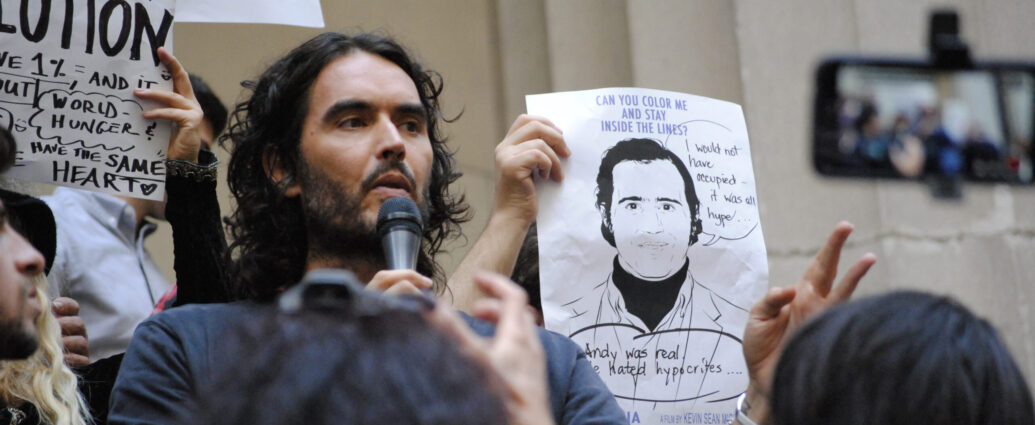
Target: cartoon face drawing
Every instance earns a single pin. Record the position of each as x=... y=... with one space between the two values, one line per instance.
x=650 y=218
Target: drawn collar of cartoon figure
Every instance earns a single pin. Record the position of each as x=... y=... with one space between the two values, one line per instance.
x=648 y=300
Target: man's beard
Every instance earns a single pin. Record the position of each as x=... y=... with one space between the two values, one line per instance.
x=18 y=337
x=336 y=226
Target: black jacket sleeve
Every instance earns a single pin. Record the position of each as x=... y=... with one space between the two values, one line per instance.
x=199 y=245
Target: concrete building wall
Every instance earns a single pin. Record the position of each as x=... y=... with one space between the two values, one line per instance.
x=978 y=249
x=756 y=53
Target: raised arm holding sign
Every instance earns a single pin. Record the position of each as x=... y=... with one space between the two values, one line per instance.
x=122 y=267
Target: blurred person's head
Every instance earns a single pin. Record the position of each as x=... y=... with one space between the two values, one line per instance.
x=20 y=262
x=899 y=358
x=868 y=122
x=526 y=270
x=31 y=218
x=331 y=130
x=213 y=108
x=19 y=303
x=364 y=361
x=927 y=122
x=43 y=380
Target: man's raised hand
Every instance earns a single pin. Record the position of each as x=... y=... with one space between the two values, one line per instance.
x=774 y=319
x=179 y=106
x=532 y=145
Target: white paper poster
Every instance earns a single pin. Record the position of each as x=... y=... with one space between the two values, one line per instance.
x=651 y=251
x=67 y=74
x=303 y=13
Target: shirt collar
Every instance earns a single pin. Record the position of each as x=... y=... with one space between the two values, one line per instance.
x=112 y=212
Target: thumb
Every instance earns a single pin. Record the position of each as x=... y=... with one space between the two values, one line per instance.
x=774 y=300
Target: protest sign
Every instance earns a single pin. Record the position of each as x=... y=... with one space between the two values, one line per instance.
x=67 y=74
x=303 y=13
x=651 y=250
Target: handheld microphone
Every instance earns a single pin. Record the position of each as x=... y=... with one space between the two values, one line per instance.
x=400 y=226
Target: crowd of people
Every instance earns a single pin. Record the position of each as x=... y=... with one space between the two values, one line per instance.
x=915 y=143
x=298 y=319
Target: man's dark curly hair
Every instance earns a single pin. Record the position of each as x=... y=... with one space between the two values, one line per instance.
x=641 y=150
x=269 y=235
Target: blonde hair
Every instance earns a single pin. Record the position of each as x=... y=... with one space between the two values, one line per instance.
x=43 y=379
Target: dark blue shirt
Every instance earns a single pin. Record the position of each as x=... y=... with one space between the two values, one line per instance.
x=171 y=353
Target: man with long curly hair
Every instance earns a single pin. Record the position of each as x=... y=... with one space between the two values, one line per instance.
x=332 y=130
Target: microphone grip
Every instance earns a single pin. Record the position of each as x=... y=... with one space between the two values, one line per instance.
x=400 y=248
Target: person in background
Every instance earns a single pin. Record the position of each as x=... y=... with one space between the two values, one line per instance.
x=20 y=262
x=526 y=272
x=100 y=236
x=36 y=386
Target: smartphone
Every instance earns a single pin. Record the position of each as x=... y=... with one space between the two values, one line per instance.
x=902 y=118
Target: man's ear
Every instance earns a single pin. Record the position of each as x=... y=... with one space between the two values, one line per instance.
x=280 y=177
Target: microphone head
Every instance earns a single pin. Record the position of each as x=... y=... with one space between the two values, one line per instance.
x=399 y=211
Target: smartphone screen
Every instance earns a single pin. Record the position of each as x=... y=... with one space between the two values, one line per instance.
x=909 y=121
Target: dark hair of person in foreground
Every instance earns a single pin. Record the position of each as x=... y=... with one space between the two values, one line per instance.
x=335 y=365
x=900 y=358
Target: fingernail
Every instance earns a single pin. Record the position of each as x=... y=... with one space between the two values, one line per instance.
x=57 y=304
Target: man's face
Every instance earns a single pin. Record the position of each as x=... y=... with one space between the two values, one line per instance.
x=19 y=306
x=650 y=218
x=364 y=140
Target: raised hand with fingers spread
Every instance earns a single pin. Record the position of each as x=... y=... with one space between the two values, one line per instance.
x=774 y=319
